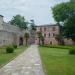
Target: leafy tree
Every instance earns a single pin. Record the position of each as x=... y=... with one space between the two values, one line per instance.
x=33 y=27
x=26 y=35
x=19 y=21
x=41 y=37
x=69 y=28
x=65 y=13
x=59 y=38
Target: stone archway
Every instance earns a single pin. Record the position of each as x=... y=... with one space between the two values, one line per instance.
x=21 y=41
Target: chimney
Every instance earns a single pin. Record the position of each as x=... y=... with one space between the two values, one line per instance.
x=1 y=19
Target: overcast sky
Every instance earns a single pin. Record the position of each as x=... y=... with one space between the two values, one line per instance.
x=39 y=10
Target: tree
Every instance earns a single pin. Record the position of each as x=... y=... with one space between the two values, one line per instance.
x=41 y=37
x=33 y=27
x=19 y=21
x=65 y=13
x=59 y=38
x=69 y=28
x=26 y=35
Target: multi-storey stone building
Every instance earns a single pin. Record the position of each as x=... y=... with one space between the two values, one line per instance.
x=49 y=32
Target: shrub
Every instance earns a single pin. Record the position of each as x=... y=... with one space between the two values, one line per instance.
x=15 y=46
x=59 y=46
x=72 y=51
x=9 y=49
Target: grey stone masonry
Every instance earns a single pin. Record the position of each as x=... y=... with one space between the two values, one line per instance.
x=28 y=63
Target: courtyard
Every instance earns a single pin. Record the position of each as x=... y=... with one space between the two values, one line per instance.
x=38 y=60
x=37 y=37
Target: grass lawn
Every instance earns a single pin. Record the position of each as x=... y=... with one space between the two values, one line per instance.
x=57 y=61
x=5 y=58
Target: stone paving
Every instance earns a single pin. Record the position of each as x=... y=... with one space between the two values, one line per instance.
x=28 y=63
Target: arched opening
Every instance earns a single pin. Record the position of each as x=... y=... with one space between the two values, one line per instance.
x=21 y=41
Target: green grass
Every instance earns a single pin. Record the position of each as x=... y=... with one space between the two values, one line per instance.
x=7 y=57
x=57 y=61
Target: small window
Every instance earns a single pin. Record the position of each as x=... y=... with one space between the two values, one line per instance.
x=44 y=35
x=49 y=34
x=53 y=34
x=0 y=42
x=45 y=29
x=3 y=41
x=40 y=29
x=53 y=28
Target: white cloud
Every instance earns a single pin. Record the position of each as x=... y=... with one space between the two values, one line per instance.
x=39 y=10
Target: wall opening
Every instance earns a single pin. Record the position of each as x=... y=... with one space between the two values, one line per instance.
x=21 y=41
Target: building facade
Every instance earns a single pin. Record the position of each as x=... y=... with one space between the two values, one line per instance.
x=10 y=34
x=49 y=32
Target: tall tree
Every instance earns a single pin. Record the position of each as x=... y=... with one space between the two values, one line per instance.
x=59 y=38
x=33 y=27
x=41 y=37
x=19 y=21
x=65 y=13
x=26 y=35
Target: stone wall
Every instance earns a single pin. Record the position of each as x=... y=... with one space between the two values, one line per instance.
x=10 y=34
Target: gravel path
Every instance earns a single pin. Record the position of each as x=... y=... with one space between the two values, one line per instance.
x=28 y=63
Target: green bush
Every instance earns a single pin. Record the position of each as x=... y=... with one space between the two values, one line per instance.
x=15 y=46
x=59 y=46
x=9 y=49
x=72 y=51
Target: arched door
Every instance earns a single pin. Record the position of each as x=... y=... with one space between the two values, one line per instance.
x=21 y=41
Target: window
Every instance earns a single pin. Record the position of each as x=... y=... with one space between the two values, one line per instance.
x=49 y=34
x=44 y=35
x=41 y=29
x=0 y=42
x=3 y=41
x=45 y=29
x=53 y=34
x=53 y=28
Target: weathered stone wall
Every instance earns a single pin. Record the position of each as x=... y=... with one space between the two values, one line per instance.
x=10 y=34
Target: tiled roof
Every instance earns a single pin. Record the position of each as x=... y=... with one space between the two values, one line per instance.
x=47 y=25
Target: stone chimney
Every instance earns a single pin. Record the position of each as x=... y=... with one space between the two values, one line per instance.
x=1 y=21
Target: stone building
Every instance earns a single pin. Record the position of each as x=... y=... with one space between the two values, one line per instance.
x=49 y=32
x=10 y=34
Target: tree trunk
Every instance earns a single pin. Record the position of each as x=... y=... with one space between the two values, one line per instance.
x=26 y=42
x=39 y=41
x=42 y=42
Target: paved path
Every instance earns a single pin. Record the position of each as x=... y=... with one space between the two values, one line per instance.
x=28 y=63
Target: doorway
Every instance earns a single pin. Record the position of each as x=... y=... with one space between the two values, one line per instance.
x=21 y=41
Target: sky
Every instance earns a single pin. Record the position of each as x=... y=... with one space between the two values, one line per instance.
x=39 y=10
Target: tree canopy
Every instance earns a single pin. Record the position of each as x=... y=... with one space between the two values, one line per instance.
x=33 y=27
x=19 y=21
x=65 y=13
